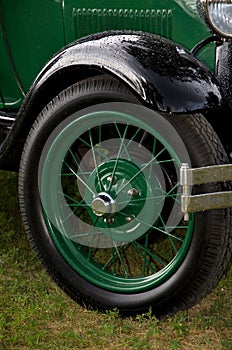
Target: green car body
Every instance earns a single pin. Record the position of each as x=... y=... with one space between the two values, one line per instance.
x=33 y=31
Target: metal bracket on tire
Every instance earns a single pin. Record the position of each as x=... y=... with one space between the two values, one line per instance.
x=195 y=203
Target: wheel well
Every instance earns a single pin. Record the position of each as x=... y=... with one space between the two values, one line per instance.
x=54 y=85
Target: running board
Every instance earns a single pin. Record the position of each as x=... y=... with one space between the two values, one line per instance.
x=195 y=203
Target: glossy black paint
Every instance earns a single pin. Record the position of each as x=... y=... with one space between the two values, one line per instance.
x=224 y=69
x=163 y=75
x=223 y=74
x=154 y=67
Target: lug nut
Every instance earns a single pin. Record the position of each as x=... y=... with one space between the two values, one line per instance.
x=130 y=218
x=113 y=180
x=132 y=192
x=109 y=221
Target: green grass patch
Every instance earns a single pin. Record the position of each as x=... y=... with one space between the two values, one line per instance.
x=35 y=314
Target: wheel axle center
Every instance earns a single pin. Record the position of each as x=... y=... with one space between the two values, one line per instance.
x=103 y=204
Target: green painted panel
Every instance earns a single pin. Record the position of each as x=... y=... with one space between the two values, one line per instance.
x=11 y=95
x=34 y=30
x=177 y=20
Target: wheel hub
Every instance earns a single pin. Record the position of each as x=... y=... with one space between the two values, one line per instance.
x=121 y=189
x=115 y=201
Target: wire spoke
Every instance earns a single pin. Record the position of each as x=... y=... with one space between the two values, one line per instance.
x=97 y=150
x=77 y=164
x=95 y=161
x=164 y=161
x=153 y=153
x=87 y=235
x=79 y=178
x=77 y=205
x=145 y=199
x=142 y=169
x=117 y=254
x=170 y=238
x=112 y=258
x=121 y=261
x=118 y=155
x=99 y=133
x=71 y=213
x=151 y=254
x=70 y=198
x=155 y=228
x=129 y=141
x=71 y=174
x=144 y=254
x=145 y=261
x=122 y=138
x=169 y=195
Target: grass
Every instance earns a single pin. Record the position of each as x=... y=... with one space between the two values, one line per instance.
x=35 y=314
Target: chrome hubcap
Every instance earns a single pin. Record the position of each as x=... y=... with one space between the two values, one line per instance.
x=103 y=204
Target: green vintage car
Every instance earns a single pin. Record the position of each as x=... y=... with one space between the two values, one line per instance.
x=114 y=115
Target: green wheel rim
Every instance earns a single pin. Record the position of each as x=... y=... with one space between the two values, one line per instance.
x=107 y=198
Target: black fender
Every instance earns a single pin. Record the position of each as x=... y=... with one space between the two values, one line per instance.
x=162 y=74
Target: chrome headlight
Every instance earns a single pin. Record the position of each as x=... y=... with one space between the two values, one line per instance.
x=218 y=15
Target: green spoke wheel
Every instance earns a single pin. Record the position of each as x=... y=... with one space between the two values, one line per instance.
x=100 y=198
x=111 y=220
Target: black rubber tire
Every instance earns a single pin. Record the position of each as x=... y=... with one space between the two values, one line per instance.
x=210 y=247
